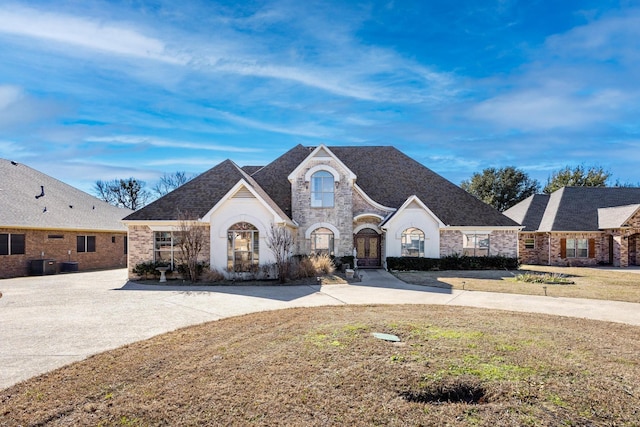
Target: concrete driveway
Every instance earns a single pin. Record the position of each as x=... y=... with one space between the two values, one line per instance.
x=48 y=322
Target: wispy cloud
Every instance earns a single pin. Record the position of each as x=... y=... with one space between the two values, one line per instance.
x=167 y=143
x=84 y=32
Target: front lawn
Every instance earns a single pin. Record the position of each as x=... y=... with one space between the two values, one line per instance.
x=594 y=283
x=323 y=366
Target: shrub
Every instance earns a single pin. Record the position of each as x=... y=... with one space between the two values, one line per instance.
x=323 y=264
x=184 y=270
x=146 y=269
x=452 y=262
x=212 y=275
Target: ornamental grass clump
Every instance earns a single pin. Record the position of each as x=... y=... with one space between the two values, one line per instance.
x=546 y=278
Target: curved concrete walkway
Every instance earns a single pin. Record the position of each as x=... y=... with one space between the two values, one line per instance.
x=48 y=322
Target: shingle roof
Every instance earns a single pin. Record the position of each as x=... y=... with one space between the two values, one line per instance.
x=62 y=206
x=529 y=212
x=616 y=217
x=576 y=208
x=194 y=198
x=388 y=176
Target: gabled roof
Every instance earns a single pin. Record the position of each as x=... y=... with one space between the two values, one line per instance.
x=616 y=217
x=529 y=212
x=197 y=197
x=62 y=207
x=576 y=208
x=390 y=177
x=386 y=175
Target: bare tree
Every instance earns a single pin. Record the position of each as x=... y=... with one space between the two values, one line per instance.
x=170 y=181
x=280 y=241
x=125 y=193
x=191 y=240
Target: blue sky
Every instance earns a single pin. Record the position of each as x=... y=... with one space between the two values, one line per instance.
x=100 y=90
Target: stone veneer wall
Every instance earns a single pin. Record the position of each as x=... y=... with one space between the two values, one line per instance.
x=361 y=206
x=108 y=254
x=340 y=215
x=141 y=246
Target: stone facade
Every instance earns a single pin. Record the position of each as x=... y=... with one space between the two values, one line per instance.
x=61 y=246
x=340 y=215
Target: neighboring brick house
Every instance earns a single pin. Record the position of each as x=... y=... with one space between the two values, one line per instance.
x=580 y=226
x=333 y=199
x=47 y=226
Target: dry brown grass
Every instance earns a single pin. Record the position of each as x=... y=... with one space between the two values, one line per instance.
x=322 y=366
x=594 y=283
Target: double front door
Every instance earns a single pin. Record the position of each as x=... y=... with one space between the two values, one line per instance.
x=367 y=244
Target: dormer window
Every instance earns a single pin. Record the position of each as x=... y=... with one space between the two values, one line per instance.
x=322 y=189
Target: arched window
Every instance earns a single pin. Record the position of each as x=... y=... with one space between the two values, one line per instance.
x=322 y=241
x=412 y=242
x=242 y=247
x=322 y=187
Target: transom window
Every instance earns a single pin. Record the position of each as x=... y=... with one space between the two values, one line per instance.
x=322 y=241
x=243 y=247
x=412 y=242
x=475 y=244
x=322 y=190
x=577 y=248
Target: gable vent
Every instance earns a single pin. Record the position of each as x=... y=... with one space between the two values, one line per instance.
x=243 y=193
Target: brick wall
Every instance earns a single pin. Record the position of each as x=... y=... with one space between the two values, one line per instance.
x=141 y=241
x=56 y=244
x=503 y=243
x=450 y=242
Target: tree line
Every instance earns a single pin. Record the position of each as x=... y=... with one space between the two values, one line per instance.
x=131 y=193
x=505 y=187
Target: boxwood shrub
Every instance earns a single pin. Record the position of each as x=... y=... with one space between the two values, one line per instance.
x=452 y=262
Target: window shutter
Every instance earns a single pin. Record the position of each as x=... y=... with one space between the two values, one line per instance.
x=592 y=248
x=563 y=248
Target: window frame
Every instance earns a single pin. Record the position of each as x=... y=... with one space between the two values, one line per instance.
x=531 y=245
x=574 y=249
x=249 y=233
x=407 y=245
x=475 y=237
x=85 y=244
x=318 y=235
x=322 y=185
x=13 y=244
x=161 y=241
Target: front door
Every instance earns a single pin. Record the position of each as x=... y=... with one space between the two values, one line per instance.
x=367 y=244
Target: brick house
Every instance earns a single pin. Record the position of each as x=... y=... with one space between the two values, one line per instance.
x=375 y=200
x=580 y=226
x=47 y=226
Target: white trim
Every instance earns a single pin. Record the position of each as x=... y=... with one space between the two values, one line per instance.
x=312 y=228
x=372 y=202
x=371 y=226
x=350 y=175
x=256 y=222
x=364 y=215
x=416 y=199
x=327 y=168
x=234 y=190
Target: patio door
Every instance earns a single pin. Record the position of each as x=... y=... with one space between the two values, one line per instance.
x=367 y=244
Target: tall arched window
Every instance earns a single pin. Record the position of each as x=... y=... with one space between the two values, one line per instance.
x=242 y=247
x=322 y=187
x=412 y=242
x=322 y=241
